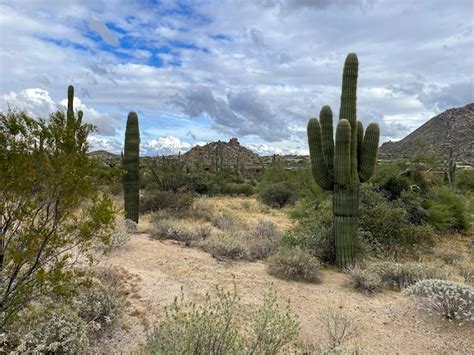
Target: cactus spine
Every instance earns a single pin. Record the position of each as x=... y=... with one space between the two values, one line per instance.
x=131 y=165
x=342 y=165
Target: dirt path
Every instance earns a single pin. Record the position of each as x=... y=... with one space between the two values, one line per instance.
x=158 y=270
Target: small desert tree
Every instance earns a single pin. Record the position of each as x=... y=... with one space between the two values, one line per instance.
x=50 y=210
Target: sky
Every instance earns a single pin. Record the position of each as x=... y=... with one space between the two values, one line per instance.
x=201 y=71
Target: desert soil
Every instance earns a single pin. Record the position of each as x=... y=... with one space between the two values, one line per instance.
x=156 y=271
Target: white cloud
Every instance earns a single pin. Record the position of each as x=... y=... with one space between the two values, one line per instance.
x=275 y=64
x=164 y=146
x=38 y=103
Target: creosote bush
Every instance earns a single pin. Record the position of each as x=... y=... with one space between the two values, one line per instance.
x=215 y=328
x=451 y=300
x=294 y=264
x=52 y=212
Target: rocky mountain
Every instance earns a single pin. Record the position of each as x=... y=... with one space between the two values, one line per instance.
x=452 y=128
x=217 y=155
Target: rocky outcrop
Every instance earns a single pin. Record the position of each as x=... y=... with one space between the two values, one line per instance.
x=452 y=128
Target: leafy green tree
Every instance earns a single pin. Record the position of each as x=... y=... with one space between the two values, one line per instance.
x=51 y=211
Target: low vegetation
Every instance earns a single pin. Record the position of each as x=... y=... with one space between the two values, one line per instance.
x=217 y=328
x=451 y=300
x=294 y=264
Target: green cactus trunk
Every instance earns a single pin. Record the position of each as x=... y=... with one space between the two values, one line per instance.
x=131 y=165
x=342 y=166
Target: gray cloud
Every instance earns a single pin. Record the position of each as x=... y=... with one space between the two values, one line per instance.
x=241 y=113
x=449 y=96
x=282 y=60
x=107 y=35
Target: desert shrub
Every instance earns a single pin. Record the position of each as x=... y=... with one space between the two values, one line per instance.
x=313 y=233
x=179 y=203
x=270 y=329
x=278 y=195
x=451 y=300
x=262 y=239
x=180 y=231
x=364 y=280
x=465 y=269
x=214 y=327
x=245 y=205
x=50 y=330
x=121 y=233
x=385 y=229
x=447 y=210
x=46 y=176
x=339 y=327
x=226 y=246
x=448 y=256
x=198 y=329
x=224 y=221
x=401 y=275
x=464 y=179
x=203 y=209
x=100 y=304
x=238 y=189
x=294 y=264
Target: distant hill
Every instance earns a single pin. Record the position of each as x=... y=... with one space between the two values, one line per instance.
x=452 y=128
x=106 y=157
x=219 y=153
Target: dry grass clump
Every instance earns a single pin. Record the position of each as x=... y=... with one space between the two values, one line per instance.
x=365 y=281
x=225 y=246
x=180 y=231
x=294 y=264
x=401 y=275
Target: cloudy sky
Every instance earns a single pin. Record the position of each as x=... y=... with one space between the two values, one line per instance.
x=199 y=71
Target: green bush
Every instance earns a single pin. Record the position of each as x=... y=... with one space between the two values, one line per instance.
x=278 y=194
x=447 y=210
x=464 y=179
x=385 y=229
x=176 y=202
x=313 y=233
x=46 y=178
x=237 y=189
x=294 y=264
x=365 y=281
x=213 y=328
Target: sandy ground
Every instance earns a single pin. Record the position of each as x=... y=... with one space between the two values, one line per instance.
x=156 y=271
x=159 y=269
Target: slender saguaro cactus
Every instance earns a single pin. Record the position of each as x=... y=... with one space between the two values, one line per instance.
x=342 y=165
x=449 y=169
x=71 y=121
x=131 y=164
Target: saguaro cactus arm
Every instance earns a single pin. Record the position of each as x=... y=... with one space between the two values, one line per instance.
x=342 y=157
x=318 y=164
x=325 y=118
x=368 y=156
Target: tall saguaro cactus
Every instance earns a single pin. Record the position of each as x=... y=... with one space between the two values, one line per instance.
x=342 y=165
x=71 y=122
x=131 y=164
